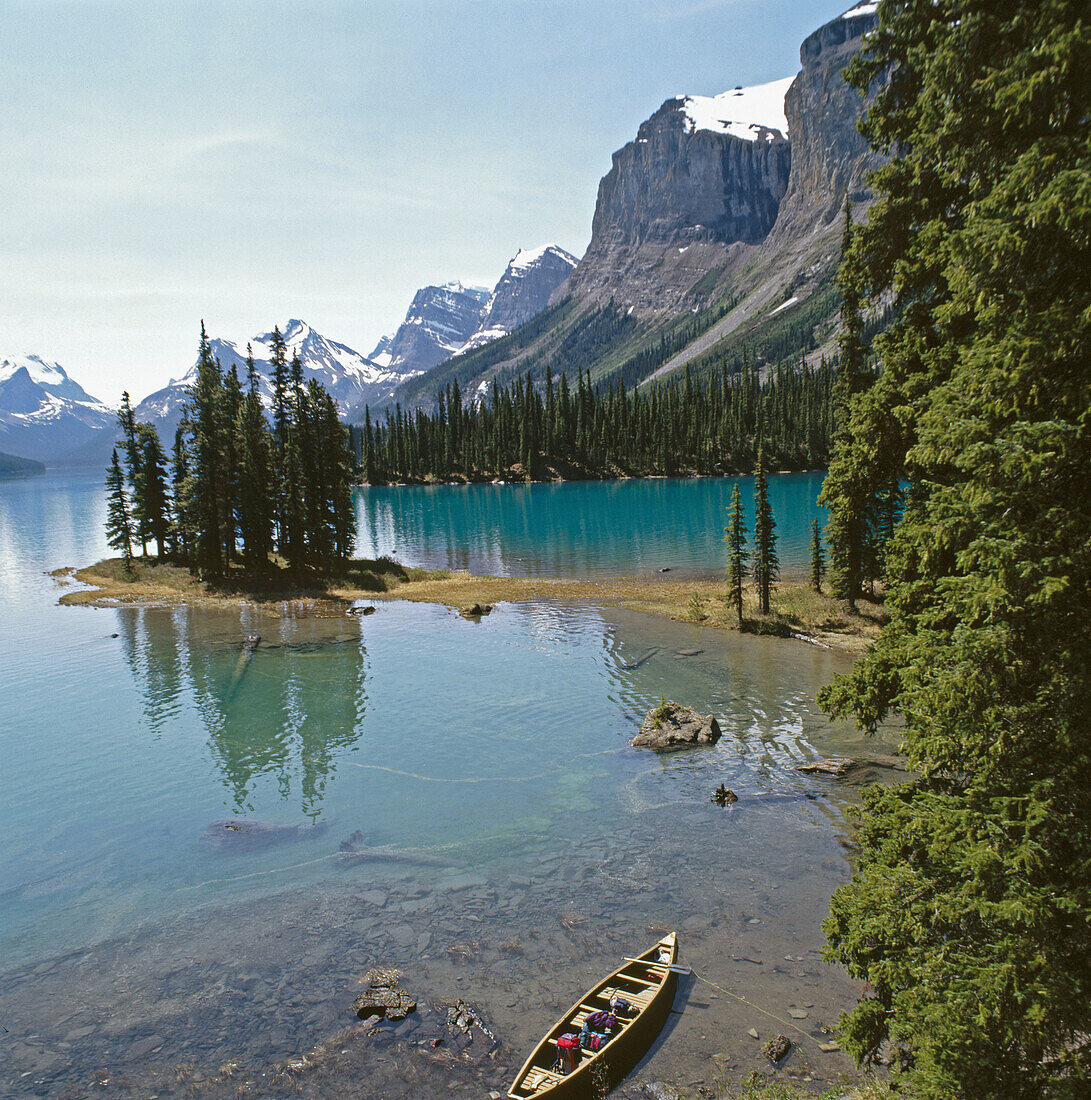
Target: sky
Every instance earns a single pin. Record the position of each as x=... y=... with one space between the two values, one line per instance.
x=248 y=161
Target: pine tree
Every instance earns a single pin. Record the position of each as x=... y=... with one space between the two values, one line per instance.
x=208 y=462
x=967 y=910
x=818 y=557
x=253 y=449
x=847 y=491
x=135 y=468
x=154 y=505
x=119 y=528
x=766 y=565
x=735 y=537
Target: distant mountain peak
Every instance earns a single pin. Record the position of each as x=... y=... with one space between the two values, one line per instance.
x=44 y=412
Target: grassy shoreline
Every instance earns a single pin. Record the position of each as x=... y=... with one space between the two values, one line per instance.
x=797 y=610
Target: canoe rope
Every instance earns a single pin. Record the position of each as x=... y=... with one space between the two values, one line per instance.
x=756 y=1008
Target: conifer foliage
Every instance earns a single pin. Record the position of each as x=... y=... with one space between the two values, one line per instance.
x=239 y=488
x=968 y=913
x=735 y=537
x=119 y=528
x=766 y=564
x=543 y=427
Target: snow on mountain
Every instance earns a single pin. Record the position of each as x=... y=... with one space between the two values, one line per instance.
x=439 y=321
x=865 y=7
x=43 y=412
x=753 y=114
x=352 y=379
x=523 y=291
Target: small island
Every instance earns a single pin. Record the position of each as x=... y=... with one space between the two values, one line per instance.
x=796 y=611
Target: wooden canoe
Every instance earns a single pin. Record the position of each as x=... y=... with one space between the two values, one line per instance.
x=649 y=987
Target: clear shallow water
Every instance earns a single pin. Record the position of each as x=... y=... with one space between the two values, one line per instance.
x=487 y=760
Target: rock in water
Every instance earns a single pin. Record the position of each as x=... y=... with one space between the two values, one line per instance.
x=672 y=726
x=724 y=796
x=837 y=766
x=384 y=997
x=475 y=611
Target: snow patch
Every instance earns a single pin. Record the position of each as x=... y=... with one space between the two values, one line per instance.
x=753 y=114
x=784 y=305
x=867 y=7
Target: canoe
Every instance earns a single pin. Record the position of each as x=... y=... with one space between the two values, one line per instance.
x=649 y=987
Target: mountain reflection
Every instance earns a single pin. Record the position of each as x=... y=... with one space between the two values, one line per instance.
x=283 y=711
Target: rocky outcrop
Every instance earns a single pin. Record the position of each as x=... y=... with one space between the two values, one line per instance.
x=672 y=726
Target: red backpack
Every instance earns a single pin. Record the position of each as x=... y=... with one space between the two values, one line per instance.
x=568 y=1052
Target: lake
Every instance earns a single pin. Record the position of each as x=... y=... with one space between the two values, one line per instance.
x=504 y=844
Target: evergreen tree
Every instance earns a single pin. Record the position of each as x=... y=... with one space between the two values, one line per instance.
x=818 y=557
x=967 y=913
x=208 y=462
x=119 y=528
x=766 y=565
x=135 y=468
x=735 y=537
x=154 y=503
x=253 y=449
x=846 y=491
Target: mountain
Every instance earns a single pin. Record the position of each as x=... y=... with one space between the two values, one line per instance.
x=351 y=378
x=43 y=412
x=438 y=323
x=14 y=466
x=451 y=319
x=523 y=291
x=716 y=231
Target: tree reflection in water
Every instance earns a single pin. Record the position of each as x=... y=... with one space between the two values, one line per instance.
x=284 y=711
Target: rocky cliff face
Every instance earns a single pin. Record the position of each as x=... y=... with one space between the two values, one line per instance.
x=691 y=181
x=830 y=158
x=439 y=322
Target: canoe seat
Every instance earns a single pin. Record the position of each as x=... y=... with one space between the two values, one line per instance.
x=639 y=1001
x=538 y=1078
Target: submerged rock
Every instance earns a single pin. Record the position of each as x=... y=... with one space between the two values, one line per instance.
x=354 y=849
x=384 y=997
x=837 y=766
x=241 y=834
x=672 y=726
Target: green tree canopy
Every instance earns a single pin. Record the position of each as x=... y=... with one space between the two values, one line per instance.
x=969 y=914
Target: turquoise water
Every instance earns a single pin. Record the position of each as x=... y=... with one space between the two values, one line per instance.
x=575 y=529
x=485 y=764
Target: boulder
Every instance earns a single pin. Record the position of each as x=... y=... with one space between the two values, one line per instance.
x=672 y=726
x=245 y=835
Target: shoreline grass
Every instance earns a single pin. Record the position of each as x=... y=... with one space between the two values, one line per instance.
x=797 y=610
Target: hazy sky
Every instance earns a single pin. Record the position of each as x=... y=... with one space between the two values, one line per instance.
x=247 y=162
